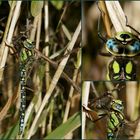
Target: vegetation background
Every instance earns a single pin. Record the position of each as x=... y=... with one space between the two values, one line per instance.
x=53 y=95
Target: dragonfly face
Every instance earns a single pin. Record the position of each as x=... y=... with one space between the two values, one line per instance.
x=123 y=44
x=123 y=47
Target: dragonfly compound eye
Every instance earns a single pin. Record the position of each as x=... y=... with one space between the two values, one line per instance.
x=117 y=105
x=28 y=44
x=110 y=135
x=123 y=44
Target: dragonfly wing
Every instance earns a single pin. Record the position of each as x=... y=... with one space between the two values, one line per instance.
x=95 y=118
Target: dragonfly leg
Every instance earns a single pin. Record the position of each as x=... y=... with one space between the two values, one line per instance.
x=12 y=49
x=131 y=26
x=105 y=54
x=98 y=28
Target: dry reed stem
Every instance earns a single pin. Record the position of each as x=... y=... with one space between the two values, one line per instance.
x=33 y=30
x=38 y=30
x=105 y=17
x=36 y=80
x=117 y=16
x=55 y=79
x=75 y=76
x=85 y=96
x=68 y=104
x=46 y=52
x=131 y=92
x=12 y=20
x=67 y=109
x=137 y=131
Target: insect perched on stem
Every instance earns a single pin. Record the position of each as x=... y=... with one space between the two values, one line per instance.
x=112 y=108
x=26 y=55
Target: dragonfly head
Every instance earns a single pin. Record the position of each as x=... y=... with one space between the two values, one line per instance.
x=117 y=105
x=28 y=44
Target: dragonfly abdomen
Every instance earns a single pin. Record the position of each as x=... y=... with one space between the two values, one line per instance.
x=26 y=55
x=23 y=97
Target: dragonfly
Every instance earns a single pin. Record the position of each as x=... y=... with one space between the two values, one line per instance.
x=24 y=69
x=123 y=47
x=113 y=110
x=27 y=59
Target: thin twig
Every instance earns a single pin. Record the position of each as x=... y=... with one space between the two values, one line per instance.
x=9 y=27
x=55 y=65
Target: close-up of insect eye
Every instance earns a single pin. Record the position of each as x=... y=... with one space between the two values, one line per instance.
x=119 y=107
x=115 y=39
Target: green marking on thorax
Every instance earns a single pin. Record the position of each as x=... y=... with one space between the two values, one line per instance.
x=129 y=67
x=27 y=51
x=116 y=67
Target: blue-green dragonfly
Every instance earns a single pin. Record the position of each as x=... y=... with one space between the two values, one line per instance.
x=113 y=110
x=123 y=47
x=27 y=58
x=23 y=70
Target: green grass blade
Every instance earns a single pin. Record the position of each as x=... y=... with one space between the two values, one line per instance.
x=72 y=123
x=11 y=133
x=57 y=4
x=36 y=7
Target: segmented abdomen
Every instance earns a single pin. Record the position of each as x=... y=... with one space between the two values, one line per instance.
x=23 y=97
